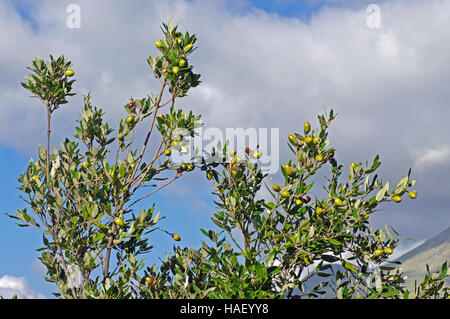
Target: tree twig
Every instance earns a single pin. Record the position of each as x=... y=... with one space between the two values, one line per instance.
x=154 y=191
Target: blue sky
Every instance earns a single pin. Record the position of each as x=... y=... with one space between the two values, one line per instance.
x=263 y=64
x=288 y=8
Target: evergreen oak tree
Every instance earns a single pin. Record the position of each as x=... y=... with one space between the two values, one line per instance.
x=82 y=197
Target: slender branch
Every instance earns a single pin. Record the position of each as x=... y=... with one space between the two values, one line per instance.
x=108 y=251
x=141 y=175
x=144 y=146
x=244 y=236
x=118 y=207
x=165 y=103
x=47 y=160
x=143 y=172
x=129 y=146
x=63 y=261
x=265 y=221
x=47 y=171
x=154 y=191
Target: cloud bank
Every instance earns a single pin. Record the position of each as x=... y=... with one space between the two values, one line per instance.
x=10 y=286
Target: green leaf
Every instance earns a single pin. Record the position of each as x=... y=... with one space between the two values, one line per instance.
x=388 y=268
x=389 y=233
x=26 y=217
x=366 y=183
x=373 y=295
x=335 y=242
x=323 y=274
x=391 y=293
x=213 y=236
x=382 y=192
x=155 y=220
x=99 y=237
x=402 y=183
x=443 y=271
x=375 y=164
x=271 y=256
x=349 y=266
x=329 y=258
x=269 y=206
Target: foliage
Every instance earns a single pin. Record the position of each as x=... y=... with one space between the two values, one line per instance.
x=82 y=198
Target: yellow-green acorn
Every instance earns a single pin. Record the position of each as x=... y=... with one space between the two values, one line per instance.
x=292 y=139
x=289 y=171
x=70 y=73
x=412 y=194
x=119 y=221
x=150 y=280
x=307 y=127
x=379 y=252
x=397 y=199
x=285 y=194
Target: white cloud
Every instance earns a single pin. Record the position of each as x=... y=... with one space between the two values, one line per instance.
x=431 y=157
x=10 y=286
x=387 y=44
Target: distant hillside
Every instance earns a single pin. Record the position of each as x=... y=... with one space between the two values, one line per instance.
x=436 y=241
x=433 y=252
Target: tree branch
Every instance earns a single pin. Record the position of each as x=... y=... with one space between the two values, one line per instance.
x=154 y=191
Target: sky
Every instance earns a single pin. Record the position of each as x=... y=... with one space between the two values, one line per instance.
x=383 y=66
